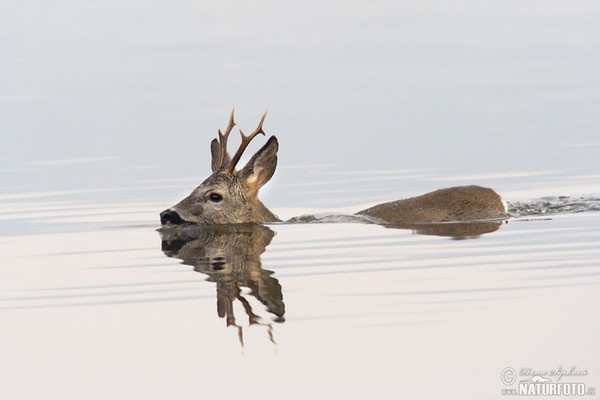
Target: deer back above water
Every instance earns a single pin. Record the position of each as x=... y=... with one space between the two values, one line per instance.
x=460 y=203
x=229 y=196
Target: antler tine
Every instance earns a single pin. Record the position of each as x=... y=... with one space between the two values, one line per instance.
x=245 y=142
x=223 y=157
x=230 y=126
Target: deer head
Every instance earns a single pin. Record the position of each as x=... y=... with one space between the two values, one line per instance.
x=229 y=196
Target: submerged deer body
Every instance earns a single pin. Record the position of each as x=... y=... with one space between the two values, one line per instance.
x=229 y=196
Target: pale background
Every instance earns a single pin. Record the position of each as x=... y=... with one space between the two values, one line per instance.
x=126 y=95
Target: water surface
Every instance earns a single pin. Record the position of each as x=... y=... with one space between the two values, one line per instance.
x=97 y=305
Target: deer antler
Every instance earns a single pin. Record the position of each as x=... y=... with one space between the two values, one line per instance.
x=253 y=318
x=245 y=142
x=223 y=158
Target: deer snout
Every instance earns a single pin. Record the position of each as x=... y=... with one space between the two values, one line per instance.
x=171 y=217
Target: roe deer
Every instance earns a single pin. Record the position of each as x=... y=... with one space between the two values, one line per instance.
x=229 y=196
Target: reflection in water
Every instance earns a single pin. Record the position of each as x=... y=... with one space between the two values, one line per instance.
x=230 y=256
x=455 y=230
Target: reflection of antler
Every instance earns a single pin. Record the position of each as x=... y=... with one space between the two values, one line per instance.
x=230 y=256
x=226 y=298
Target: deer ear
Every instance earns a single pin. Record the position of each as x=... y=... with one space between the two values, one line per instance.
x=261 y=166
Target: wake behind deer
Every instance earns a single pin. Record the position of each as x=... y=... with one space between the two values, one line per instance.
x=230 y=196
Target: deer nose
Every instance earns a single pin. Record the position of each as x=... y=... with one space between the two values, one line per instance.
x=171 y=217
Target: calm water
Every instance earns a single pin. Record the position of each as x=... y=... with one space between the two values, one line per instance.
x=96 y=304
x=107 y=111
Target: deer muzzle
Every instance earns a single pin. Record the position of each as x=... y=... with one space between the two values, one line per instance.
x=171 y=217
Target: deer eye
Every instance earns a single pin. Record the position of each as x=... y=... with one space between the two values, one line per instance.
x=215 y=197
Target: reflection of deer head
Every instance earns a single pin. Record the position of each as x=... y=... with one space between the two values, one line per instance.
x=230 y=256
